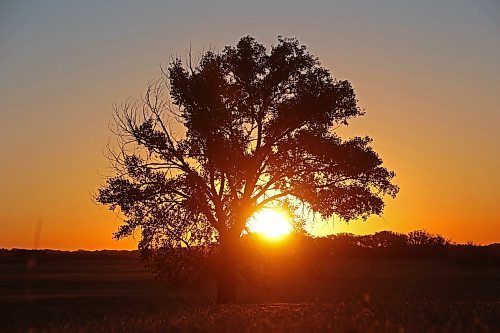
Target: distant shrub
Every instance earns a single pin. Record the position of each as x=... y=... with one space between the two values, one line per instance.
x=425 y=245
x=476 y=255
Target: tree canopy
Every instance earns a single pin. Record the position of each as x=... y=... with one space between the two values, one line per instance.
x=214 y=141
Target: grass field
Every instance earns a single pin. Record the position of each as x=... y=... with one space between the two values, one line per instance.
x=112 y=292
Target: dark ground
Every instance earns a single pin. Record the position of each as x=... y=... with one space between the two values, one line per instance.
x=112 y=292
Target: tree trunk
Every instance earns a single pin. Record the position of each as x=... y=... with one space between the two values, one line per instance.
x=226 y=276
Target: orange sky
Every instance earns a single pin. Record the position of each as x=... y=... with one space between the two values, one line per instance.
x=427 y=74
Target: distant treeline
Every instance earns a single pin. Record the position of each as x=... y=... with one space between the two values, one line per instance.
x=17 y=255
x=417 y=244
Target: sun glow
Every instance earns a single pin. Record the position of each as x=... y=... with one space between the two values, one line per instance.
x=270 y=223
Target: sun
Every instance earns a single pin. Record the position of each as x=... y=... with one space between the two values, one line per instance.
x=270 y=223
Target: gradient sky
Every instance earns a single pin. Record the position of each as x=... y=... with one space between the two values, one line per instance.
x=427 y=73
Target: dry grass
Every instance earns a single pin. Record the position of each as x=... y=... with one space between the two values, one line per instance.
x=117 y=295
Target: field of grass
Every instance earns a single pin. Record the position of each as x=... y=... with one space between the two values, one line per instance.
x=112 y=292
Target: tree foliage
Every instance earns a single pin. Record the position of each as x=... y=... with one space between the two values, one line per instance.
x=242 y=129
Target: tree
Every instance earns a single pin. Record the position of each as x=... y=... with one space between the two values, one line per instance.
x=240 y=130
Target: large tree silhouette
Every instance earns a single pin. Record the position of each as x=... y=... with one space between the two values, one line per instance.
x=240 y=130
